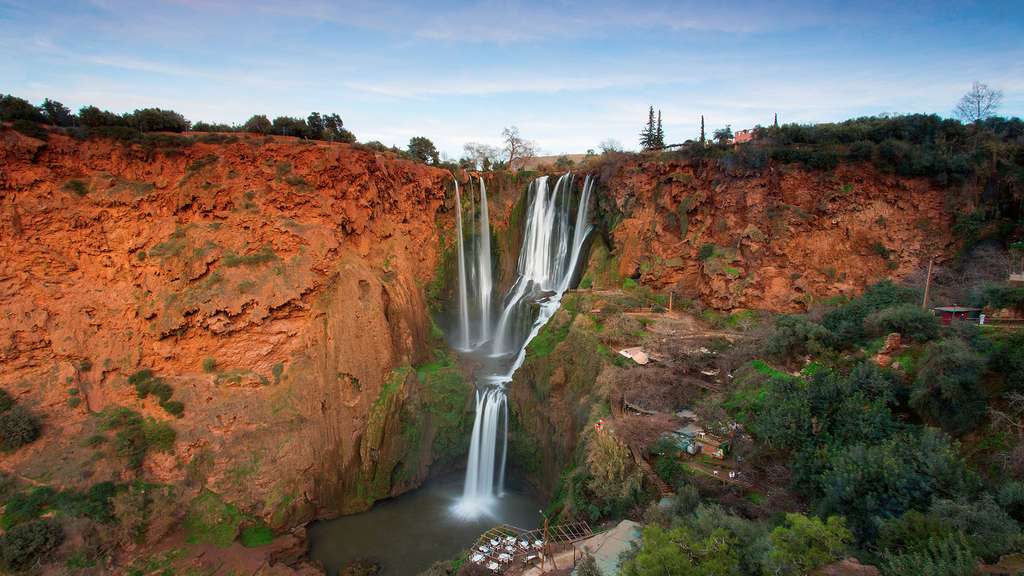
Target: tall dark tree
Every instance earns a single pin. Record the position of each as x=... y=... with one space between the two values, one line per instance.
x=422 y=149
x=659 y=134
x=259 y=123
x=649 y=133
x=723 y=135
x=776 y=124
x=57 y=113
x=316 y=125
x=13 y=108
x=703 y=139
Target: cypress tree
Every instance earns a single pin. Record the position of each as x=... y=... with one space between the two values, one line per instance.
x=776 y=120
x=702 y=138
x=659 y=135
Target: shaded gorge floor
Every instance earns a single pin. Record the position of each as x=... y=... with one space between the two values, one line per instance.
x=407 y=534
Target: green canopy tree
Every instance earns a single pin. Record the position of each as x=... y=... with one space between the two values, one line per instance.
x=947 y=389
x=422 y=149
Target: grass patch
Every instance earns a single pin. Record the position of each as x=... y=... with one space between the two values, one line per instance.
x=211 y=520
x=135 y=436
x=261 y=256
x=255 y=536
x=77 y=186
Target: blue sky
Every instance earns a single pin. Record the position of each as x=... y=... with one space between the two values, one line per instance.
x=569 y=74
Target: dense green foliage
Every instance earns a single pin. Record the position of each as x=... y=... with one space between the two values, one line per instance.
x=422 y=150
x=947 y=390
x=210 y=520
x=24 y=545
x=859 y=440
x=146 y=384
x=135 y=436
x=18 y=427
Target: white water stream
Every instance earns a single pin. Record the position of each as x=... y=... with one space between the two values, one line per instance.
x=552 y=244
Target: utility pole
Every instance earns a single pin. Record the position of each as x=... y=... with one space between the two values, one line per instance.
x=927 y=284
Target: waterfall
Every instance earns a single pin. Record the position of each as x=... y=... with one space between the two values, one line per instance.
x=484 y=283
x=463 y=342
x=547 y=263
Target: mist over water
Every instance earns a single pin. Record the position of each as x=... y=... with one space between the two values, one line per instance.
x=555 y=229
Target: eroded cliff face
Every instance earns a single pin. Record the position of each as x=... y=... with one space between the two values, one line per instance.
x=777 y=239
x=276 y=285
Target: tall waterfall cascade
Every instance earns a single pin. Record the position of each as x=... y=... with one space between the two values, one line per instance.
x=555 y=231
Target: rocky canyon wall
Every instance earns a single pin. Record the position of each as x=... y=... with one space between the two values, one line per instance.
x=778 y=238
x=276 y=285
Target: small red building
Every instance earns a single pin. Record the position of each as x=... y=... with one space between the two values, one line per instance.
x=962 y=313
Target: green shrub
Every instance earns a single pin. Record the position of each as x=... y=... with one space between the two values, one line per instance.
x=25 y=545
x=277 y=370
x=846 y=323
x=990 y=531
x=18 y=427
x=210 y=520
x=795 y=336
x=30 y=129
x=13 y=108
x=261 y=256
x=255 y=536
x=629 y=284
x=146 y=384
x=6 y=401
x=77 y=186
x=136 y=436
x=74 y=401
x=946 y=555
x=173 y=407
x=706 y=251
x=209 y=364
x=803 y=543
x=910 y=320
x=947 y=389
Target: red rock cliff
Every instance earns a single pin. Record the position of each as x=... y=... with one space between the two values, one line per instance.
x=777 y=239
x=275 y=284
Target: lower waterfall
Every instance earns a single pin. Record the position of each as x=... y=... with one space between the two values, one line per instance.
x=556 y=227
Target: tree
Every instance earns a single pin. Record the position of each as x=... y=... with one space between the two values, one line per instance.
x=422 y=149
x=288 y=126
x=679 y=551
x=316 y=125
x=157 y=120
x=723 y=135
x=18 y=427
x=334 y=129
x=980 y=103
x=609 y=145
x=482 y=156
x=702 y=138
x=25 y=544
x=659 y=133
x=865 y=482
x=93 y=117
x=804 y=544
x=14 y=108
x=990 y=531
x=648 y=135
x=516 y=147
x=947 y=389
x=259 y=124
x=57 y=113
x=775 y=124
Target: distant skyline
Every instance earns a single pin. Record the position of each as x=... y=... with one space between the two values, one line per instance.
x=569 y=74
